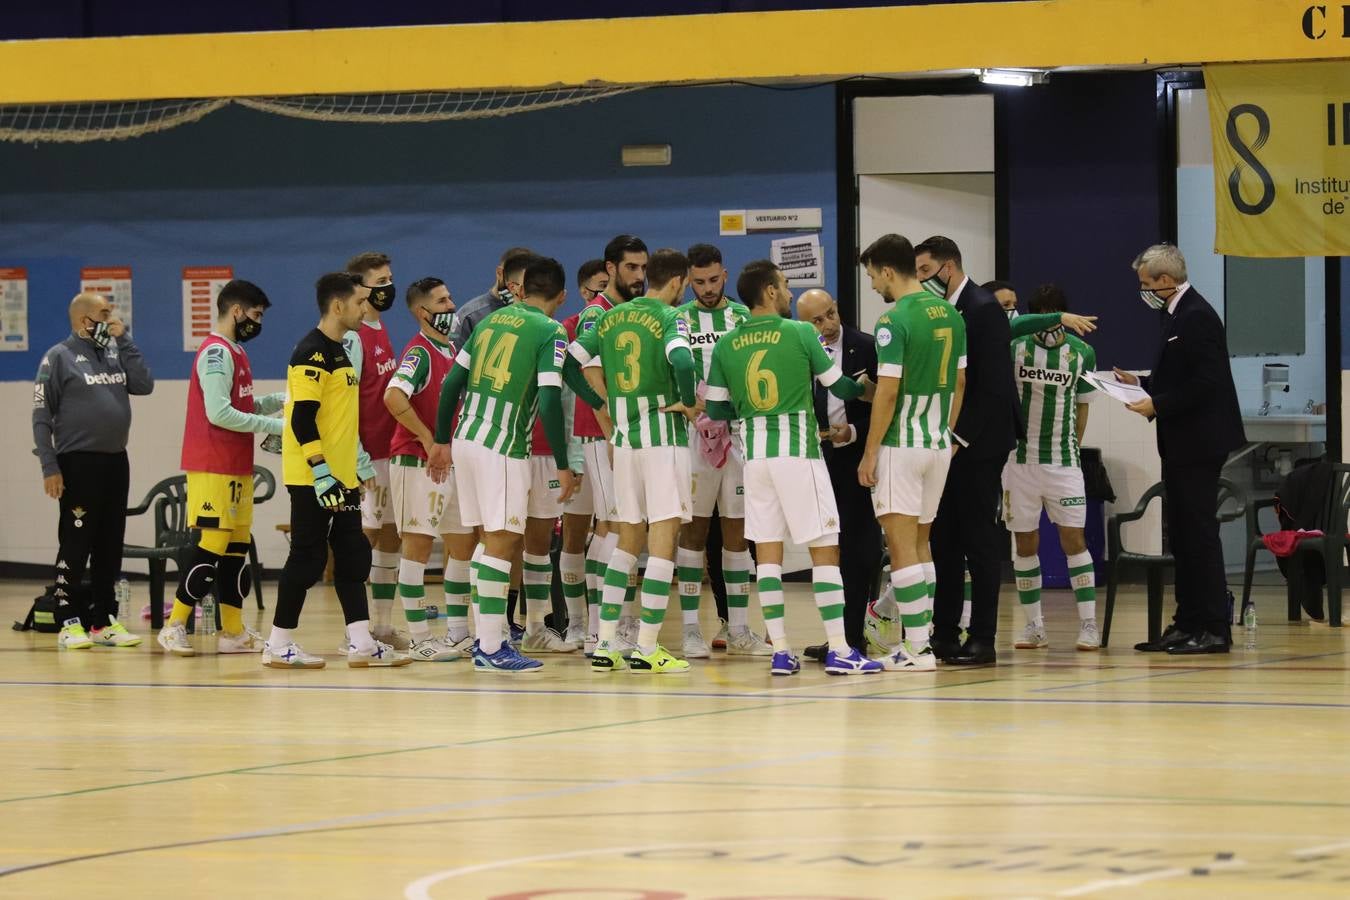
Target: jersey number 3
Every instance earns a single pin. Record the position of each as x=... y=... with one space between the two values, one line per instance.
x=493 y=359
x=630 y=346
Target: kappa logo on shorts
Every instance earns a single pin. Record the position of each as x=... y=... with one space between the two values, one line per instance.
x=1073 y=501
x=830 y=523
x=514 y=520
x=207 y=507
x=413 y=523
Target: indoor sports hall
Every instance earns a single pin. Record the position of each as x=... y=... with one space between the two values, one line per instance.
x=152 y=154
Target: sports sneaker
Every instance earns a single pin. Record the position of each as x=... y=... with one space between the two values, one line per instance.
x=73 y=637
x=881 y=631
x=506 y=660
x=174 y=639
x=592 y=641
x=432 y=649
x=625 y=640
x=1089 y=638
x=463 y=646
x=546 y=640
x=747 y=643
x=1033 y=637
x=379 y=655
x=659 y=662
x=115 y=635
x=399 y=640
x=247 y=641
x=290 y=656
x=851 y=663
x=719 y=641
x=901 y=659
x=785 y=662
x=576 y=633
x=604 y=659
x=515 y=635
x=694 y=646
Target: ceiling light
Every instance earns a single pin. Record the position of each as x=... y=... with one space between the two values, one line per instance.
x=646 y=155
x=1013 y=77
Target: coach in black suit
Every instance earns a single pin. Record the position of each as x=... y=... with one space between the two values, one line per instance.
x=966 y=532
x=1195 y=405
x=844 y=427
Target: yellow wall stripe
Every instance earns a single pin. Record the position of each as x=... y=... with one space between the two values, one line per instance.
x=813 y=44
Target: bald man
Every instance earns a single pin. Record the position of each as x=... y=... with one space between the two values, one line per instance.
x=81 y=418
x=843 y=434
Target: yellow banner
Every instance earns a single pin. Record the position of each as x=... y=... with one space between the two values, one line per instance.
x=1281 y=134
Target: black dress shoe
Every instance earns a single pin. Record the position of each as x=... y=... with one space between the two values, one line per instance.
x=974 y=652
x=1204 y=642
x=816 y=652
x=1170 y=638
x=944 y=650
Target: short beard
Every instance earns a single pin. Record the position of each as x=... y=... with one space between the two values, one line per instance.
x=629 y=291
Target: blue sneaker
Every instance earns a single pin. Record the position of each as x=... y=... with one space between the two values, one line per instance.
x=507 y=660
x=785 y=662
x=851 y=663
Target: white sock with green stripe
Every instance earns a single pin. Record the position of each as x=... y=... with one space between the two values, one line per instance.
x=1027 y=571
x=597 y=559
x=456 y=599
x=655 y=597
x=1083 y=579
x=572 y=568
x=536 y=578
x=478 y=552
x=383 y=586
x=770 y=584
x=616 y=585
x=829 y=589
x=737 y=568
x=689 y=569
x=916 y=608
x=412 y=592
x=929 y=578
x=494 y=580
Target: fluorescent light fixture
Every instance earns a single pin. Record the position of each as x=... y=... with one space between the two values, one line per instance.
x=1013 y=77
x=646 y=155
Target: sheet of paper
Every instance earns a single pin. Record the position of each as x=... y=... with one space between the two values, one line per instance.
x=1118 y=390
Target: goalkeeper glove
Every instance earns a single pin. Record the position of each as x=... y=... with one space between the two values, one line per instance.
x=329 y=492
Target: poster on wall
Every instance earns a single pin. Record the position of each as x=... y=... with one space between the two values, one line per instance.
x=112 y=282
x=13 y=309
x=759 y=221
x=201 y=285
x=802 y=260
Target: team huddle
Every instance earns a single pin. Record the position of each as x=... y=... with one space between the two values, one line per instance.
x=630 y=425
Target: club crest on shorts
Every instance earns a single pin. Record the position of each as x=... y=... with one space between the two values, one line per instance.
x=78 y=513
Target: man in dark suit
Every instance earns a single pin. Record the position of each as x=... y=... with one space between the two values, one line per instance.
x=967 y=532
x=1193 y=400
x=843 y=432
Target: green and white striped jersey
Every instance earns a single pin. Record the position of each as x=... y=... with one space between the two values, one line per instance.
x=922 y=341
x=1051 y=384
x=633 y=343
x=765 y=368
x=511 y=354
x=706 y=327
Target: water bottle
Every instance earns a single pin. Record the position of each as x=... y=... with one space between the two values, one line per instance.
x=1249 y=625
x=123 y=593
x=433 y=611
x=209 y=613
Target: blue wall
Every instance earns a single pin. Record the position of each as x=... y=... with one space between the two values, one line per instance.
x=284 y=200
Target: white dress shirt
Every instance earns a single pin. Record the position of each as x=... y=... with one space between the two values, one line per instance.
x=833 y=405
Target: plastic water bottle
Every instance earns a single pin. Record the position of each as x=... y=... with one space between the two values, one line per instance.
x=1249 y=625
x=209 y=613
x=122 y=591
x=433 y=611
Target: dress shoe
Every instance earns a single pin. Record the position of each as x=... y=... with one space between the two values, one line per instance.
x=1204 y=642
x=974 y=652
x=816 y=652
x=944 y=650
x=1171 y=637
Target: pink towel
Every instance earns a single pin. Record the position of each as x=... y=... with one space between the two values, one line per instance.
x=714 y=440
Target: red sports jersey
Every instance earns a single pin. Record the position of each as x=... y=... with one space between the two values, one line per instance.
x=377 y=364
x=210 y=448
x=583 y=422
x=424 y=367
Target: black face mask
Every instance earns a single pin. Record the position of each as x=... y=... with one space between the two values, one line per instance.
x=246 y=329
x=99 y=334
x=382 y=297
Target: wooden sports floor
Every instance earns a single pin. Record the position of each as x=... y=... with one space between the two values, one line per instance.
x=1054 y=774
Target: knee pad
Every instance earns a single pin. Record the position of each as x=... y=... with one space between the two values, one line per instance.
x=233 y=577
x=200 y=576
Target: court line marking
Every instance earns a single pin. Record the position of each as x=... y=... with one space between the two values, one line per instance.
x=1187 y=670
x=1318 y=851
x=1105 y=884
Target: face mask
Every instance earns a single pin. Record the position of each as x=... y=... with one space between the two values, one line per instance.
x=98 y=333
x=936 y=284
x=506 y=296
x=246 y=329
x=1012 y=314
x=381 y=297
x=1052 y=337
x=442 y=322
x=1153 y=300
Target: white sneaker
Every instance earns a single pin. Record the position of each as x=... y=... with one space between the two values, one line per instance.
x=900 y=659
x=290 y=655
x=1033 y=637
x=625 y=638
x=115 y=635
x=399 y=640
x=432 y=649
x=592 y=641
x=576 y=634
x=463 y=646
x=174 y=639
x=74 y=637
x=247 y=641
x=695 y=647
x=546 y=640
x=747 y=643
x=719 y=641
x=881 y=626
x=378 y=655
x=1089 y=638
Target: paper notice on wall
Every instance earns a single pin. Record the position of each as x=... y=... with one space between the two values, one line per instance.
x=802 y=260
x=112 y=282
x=13 y=309
x=201 y=285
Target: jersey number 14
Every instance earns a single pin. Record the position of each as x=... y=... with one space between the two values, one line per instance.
x=493 y=359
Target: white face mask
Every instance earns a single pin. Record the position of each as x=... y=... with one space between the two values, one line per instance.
x=1153 y=300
